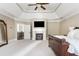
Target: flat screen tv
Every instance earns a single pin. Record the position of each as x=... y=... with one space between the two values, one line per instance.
x=39 y=24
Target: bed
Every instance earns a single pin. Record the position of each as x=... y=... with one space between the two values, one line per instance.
x=59 y=45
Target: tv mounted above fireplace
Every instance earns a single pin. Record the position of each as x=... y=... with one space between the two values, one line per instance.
x=38 y=23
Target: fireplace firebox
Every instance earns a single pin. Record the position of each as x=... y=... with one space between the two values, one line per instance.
x=39 y=36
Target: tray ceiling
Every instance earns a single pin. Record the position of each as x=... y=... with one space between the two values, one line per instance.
x=54 y=11
x=51 y=7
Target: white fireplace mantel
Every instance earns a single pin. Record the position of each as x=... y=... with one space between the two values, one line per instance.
x=36 y=30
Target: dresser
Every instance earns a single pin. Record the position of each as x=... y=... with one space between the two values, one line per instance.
x=20 y=35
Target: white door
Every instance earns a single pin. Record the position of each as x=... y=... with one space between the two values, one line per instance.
x=27 y=31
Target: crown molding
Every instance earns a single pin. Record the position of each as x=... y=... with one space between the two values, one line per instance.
x=21 y=8
x=68 y=16
x=6 y=13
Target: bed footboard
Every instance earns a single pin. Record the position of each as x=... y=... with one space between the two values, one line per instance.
x=59 y=46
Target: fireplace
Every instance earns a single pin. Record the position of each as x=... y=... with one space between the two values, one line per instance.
x=39 y=29
x=39 y=36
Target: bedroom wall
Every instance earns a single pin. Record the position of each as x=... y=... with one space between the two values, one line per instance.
x=10 y=26
x=23 y=22
x=53 y=28
x=69 y=22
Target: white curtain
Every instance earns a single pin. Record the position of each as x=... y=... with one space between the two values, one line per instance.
x=24 y=28
x=20 y=27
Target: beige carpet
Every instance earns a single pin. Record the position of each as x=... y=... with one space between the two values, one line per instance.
x=27 y=48
x=41 y=49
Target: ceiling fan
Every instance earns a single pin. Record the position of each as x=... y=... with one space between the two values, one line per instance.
x=41 y=5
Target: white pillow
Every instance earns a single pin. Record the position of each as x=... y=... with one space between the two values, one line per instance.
x=74 y=34
x=70 y=34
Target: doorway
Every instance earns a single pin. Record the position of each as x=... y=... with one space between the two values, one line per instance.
x=23 y=31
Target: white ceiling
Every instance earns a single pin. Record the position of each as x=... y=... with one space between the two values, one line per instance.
x=54 y=11
x=49 y=7
x=10 y=8
x=67 y=9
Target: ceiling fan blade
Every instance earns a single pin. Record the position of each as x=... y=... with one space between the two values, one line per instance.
x=42 y=3
x=43 y=7
x=31 y=4
x=36 y=8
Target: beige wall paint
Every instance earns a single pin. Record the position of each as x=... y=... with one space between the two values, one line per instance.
x=10 y=26
x=62 y=27
x=53 y=28
x=23 y=22
x=70 y=22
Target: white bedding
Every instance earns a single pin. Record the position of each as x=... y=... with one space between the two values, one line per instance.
x=74 y=47
x=73 y=39
x=60 y=36
x=74 y=44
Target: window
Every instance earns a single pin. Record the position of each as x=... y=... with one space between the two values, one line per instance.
x=20 y=27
